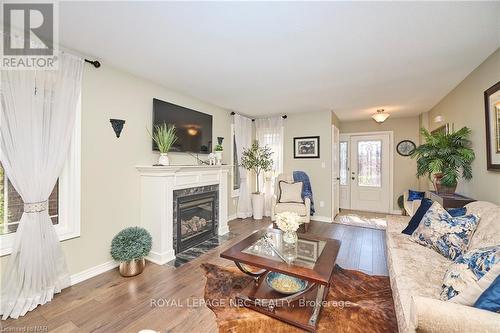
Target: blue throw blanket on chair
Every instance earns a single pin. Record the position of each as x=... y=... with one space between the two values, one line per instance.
x=301 y=176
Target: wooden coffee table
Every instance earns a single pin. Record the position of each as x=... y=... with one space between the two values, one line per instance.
x=313 y=261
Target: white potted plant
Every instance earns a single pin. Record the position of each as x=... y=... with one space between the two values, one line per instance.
x=257 y=159
x=218 y=153
x=164 y=136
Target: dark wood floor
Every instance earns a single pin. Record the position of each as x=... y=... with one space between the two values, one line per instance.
x=111 y=303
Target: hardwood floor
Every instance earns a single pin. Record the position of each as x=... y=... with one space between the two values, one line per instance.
x=168 y=299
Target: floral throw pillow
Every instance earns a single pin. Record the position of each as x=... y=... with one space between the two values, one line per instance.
x=471 y=274
x=445 y=234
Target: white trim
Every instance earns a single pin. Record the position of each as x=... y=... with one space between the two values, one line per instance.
x=391 y=160
x=92 y=271
x=397 y=212
x=234 y=193
x=161 y=258
x=232 y=217
x=69 y=191
x=319 y=218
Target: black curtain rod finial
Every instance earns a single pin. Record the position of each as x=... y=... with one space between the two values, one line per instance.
x=233 y=113
x=95 y=63
x=284 y=117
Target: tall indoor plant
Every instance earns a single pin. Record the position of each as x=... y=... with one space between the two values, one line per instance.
x=164 y=136
x=257 y=159
x=446 y=157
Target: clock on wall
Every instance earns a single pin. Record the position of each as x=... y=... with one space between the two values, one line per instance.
x=406 y=147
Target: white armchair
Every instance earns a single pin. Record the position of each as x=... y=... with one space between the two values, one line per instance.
x=303 y=209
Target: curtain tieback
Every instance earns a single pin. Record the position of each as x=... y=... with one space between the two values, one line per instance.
x=36 y=207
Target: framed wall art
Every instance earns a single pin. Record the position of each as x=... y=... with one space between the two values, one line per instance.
x=492 y=116
x=306 y=147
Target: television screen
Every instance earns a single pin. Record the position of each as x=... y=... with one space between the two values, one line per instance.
x=193 y=128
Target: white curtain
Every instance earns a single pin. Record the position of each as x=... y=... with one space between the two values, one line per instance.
x=243 y=138
x=269 y=131
x=37 y=120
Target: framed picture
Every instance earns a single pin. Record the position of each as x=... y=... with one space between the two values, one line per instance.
x=306 y=147
x=307 y=250
x=492 y=116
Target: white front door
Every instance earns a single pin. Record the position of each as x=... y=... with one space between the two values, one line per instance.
x=370 y=172
x=344 y=173
x=335 y=171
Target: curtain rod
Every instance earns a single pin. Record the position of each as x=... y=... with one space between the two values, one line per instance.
x=95 y=63
x=283 y=116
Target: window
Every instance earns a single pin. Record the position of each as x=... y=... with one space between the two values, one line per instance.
x=11 y=205
x=64 y=202
x=235 y=179
x=344 y=169
x=370 y=163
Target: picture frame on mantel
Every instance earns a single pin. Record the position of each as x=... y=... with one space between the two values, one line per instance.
x=492 y=117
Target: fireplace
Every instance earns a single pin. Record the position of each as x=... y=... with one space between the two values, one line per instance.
x=195 y=216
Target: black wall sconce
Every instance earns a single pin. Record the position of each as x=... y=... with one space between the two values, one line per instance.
x=117 y=125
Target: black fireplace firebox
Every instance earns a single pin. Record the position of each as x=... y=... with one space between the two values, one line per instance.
x=195 y=218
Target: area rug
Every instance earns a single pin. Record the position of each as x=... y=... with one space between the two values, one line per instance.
x=359 y=303
x=362 y=221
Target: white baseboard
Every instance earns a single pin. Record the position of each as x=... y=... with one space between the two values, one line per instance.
x=397 y=212
x=161 y=258
x=93 y=271
x=327 y=219
x=232 y=217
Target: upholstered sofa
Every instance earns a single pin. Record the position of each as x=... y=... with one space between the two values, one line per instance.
x=410 y=206
x=416 y=273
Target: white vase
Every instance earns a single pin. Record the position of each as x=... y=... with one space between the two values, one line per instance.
x=258 y=205
x=163 y=159
x=218 y=156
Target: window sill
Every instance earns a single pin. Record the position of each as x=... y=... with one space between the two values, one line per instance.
x=7 y=240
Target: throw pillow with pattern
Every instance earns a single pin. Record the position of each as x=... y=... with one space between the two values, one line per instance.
x=471 y=274
x=445 y=234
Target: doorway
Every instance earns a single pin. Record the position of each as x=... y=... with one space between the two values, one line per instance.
x=366 y=172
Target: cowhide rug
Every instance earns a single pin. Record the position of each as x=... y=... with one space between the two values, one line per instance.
x=370 y=307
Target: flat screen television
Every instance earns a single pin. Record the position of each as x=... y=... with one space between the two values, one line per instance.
x=193 y=128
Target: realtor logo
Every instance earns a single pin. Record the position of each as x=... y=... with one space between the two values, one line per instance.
x=29 y=35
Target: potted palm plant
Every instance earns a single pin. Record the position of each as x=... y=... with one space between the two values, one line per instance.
x=257 y=159
x=445 y=157
x=164 y=136
x=129 y=247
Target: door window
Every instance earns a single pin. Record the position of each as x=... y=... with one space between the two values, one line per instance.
x=370 y=163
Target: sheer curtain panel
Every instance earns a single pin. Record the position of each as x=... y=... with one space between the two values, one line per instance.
x=37 y=120
x=269 y=131
x=243 y=138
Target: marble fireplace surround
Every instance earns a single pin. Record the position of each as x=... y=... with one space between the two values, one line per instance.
x=158 y=184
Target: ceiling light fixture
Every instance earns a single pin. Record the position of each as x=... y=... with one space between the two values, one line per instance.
x=380 y=116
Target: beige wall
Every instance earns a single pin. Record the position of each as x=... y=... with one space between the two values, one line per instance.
x=405 y=168
x=110 y=183
x=464 y=106
x=312 y=124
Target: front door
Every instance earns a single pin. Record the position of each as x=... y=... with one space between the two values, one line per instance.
x=370 y=172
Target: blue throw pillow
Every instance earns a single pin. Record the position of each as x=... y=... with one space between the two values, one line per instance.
x=415 y=195
x=454 y=212
x=417 y=217
x=490 y=298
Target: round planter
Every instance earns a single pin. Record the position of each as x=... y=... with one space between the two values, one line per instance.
x=132 y=267
x=163 y=159
x=440 y=188
x=258 y=205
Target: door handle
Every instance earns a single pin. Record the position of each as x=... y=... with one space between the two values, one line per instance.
x=338 y=178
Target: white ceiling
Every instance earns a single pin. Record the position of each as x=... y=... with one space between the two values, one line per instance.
x=279 y=57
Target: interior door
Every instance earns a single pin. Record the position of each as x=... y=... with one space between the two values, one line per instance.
x=344 y=180
x=370 y=173
x=335 y=172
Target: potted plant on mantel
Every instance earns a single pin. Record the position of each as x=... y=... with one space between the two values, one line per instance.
x=164 y=136
x=445 y=157
x=257 y=159
x=129 y=247
x=218 y=150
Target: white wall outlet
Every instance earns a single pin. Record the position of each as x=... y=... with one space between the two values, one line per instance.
x=323 y=165
x=322 y=204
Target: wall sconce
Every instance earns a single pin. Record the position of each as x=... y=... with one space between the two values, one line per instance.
x=438 y=119
x=117 y=125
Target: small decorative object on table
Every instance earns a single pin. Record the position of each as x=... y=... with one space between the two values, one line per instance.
x=219 y=149
x=164 y=137
x=288 y=222
x=129 y=247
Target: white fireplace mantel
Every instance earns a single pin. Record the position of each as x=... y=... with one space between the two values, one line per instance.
x=157 y=186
